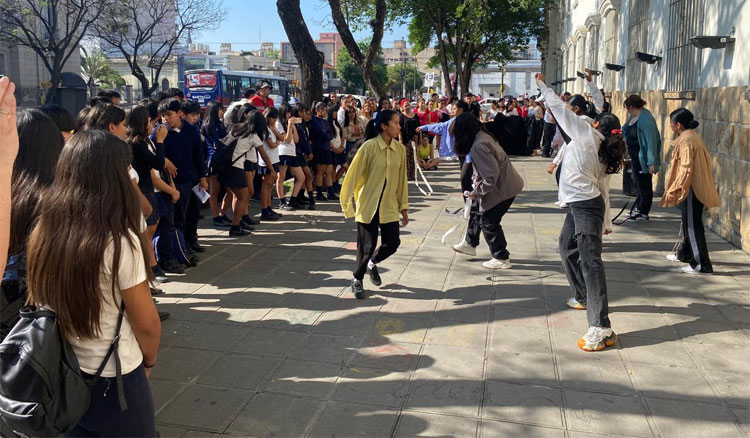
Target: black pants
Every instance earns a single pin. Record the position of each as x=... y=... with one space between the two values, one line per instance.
x=549 y=134
x=489 y=223
x=165 y=227
x=181 y=206
x=104 y=417
x=367 y=238
x=643 y=186
x=581 y=254
x=467 y=171
x=191 y=219
x=693 y=248
x=535 y=127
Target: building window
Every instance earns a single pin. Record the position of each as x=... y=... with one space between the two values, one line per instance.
x=635 y=71
x=580 y=64
x=610 y=48
x=683 y=59
x=569 y=86
x=592 y=61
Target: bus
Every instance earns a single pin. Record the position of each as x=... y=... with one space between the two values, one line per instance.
x=203 y=86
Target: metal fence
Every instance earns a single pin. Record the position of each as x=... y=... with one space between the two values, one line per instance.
x=683 y=59
x=30 y=97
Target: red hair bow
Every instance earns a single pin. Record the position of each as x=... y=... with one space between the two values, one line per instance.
x=617 y=132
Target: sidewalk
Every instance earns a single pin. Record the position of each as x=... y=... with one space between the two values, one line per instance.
x=265 y=338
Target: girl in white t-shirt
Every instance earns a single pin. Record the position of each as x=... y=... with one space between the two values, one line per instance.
x=285 y=126
x=268 y=167
x=86 y=267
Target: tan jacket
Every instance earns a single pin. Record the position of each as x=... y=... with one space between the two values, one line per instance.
x=495 y=179
x=690 y=168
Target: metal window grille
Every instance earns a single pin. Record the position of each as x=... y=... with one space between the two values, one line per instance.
x=580 y=63
x=683 y=60
x=635 y=71
x=610 y=48
x=593 y=59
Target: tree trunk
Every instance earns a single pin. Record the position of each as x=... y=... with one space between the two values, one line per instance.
x=146 y=86
x=309 y=58
x=444 y=64
x=365 y=63
x=55 y=78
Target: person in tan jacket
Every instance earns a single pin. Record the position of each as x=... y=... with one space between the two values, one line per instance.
x=690 y=186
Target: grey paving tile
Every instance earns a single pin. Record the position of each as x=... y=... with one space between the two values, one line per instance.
x=516 y=339
x=163 y=391
x=520 y=316
x=721 y=357
x=204 y=407
x=733 y=386
x=492 y=429
x=398 y=329
x=533 y=404
x=269 y=342
x=183 y=364
x=349 y=325
x=327 y=348
x=201 y=335
x=271 y=415
x=361 y=420
x=521 y=368
x=239 y=371
x=670 y=382
x=460 y=335
x=433 y=425
x=443 y=394
x=311 y=379
x=605 y=413
x=449 y=310
x=290 y=319
x=453 y=361
x=387 y=355
x=642 y=350
x=690 y=419
x=372 y=386
x=594 y=375
x=170 y=431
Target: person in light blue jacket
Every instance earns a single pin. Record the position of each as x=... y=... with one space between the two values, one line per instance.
x=644 y=147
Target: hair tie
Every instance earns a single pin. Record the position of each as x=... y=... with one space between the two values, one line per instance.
x=616 y=132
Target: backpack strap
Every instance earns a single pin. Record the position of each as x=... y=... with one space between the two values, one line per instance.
x=113 y=349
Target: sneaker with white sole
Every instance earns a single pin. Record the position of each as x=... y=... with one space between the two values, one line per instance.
x=497 y=264
x=597 y=339
x=465 y=248
x=358 y=289
x=575 y=304
x=689 y=270
x=672 y=257
x=641 y=218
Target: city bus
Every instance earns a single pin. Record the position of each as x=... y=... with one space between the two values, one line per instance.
x=203 y=86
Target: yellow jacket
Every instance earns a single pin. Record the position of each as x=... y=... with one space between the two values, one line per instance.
x=690 y=168
x=376 y=165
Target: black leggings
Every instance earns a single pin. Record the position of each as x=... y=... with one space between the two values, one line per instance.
x=693 y=248
x=367 y=238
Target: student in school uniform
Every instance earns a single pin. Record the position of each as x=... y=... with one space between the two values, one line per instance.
x=286 y=127
x=268 y=167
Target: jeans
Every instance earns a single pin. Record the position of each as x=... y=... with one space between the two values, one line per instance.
x=489 y=223
x=693 y=248
x=367 y=238
x=581 y=254
x=643 y=187
x=104 y=416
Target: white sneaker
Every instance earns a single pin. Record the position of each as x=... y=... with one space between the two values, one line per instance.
x=597 y=338
x=689 y=270
x=497 y=264
x=672 y=257
x=465 y=248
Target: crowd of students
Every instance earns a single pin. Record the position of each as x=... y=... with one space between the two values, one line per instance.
x=93 y=191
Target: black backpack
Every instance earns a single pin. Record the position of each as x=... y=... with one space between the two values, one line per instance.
x=42 y=389
x=12 y=292
x=221 y=161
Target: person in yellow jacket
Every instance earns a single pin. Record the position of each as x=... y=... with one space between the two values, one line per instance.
x=376 y=180
x=690 y=186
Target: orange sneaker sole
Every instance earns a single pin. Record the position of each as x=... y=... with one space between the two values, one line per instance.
x=600 y=346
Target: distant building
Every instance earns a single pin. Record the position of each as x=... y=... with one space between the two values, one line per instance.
x=199 y=48
x=328 y=42
x=398 y=54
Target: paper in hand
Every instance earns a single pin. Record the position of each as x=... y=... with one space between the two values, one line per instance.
x=201 y=194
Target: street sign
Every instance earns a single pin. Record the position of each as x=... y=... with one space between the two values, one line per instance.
x=429 y=79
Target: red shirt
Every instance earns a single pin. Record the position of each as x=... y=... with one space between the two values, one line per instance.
x=260 y=103
x=427 y=117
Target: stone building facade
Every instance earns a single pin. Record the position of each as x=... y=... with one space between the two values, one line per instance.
x=712 y=83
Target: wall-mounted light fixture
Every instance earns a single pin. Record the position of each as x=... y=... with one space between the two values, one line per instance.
x=595 y=72
x=711 y=42
x=648 y=58
x=614 y=67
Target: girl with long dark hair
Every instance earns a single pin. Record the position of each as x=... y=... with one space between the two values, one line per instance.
x=410 y=122
x=320 y=137
x=377 y=181
x=213 y=131
x=89 y=267
x=286 y=127
x=690 y=186
x=268 y=165
x=304 y=153
x=383 y=104
x=595 y=151
x=496 y=185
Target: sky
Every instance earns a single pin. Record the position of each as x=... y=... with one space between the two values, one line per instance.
x=248 y=23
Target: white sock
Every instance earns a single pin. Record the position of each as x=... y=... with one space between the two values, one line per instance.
x=370 y=264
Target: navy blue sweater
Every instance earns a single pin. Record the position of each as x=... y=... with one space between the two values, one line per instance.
x=184 y=148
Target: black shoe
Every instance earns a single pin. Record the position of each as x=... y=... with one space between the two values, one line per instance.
x=357 y=289
x=286 y=207
x=248 y=220
x=301 y=200
x=197 y=247
x=320 y=197
x=163 y=316
x=272 y=216
x=222 y=221
x=156 y=291
x=312 y=204
x=193 y=259
x=171 y=266
x=159 y=274
x=332 y=196
x=238 y=231
x=375 y=276
x=247 y=227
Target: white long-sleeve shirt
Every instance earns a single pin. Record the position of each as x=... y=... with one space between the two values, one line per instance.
x=582 y=175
